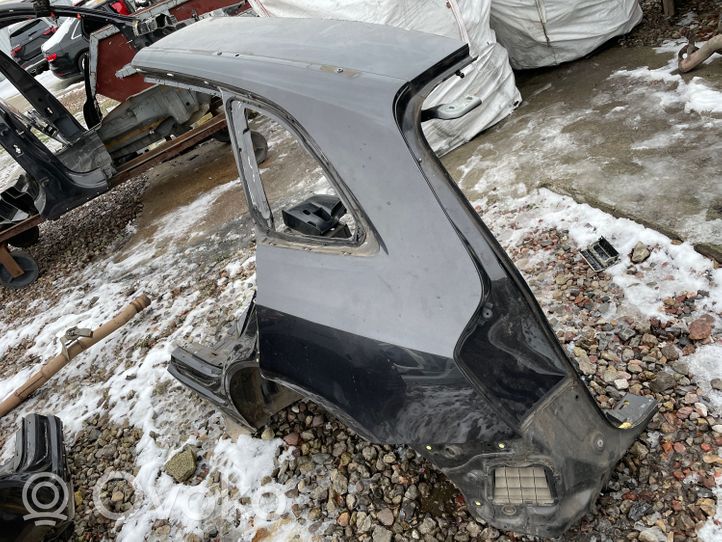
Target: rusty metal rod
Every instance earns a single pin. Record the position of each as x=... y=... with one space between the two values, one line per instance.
x=53 y=365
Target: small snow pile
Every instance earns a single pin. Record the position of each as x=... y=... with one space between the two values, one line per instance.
x=706 y=364
x=712 y=530
x=696 y=95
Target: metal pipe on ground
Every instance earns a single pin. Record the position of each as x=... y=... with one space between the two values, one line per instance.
x=691 y=56
x=56 y=363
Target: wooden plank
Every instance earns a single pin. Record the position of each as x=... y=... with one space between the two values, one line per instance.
x=20 y=227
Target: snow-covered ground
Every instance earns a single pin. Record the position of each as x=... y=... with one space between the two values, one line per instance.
x=671 y=270
x=622 y=130
x=694 y=95
x=47 y=79
x=179 y=313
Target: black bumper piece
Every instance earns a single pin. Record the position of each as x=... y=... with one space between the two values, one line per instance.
x=36 y=493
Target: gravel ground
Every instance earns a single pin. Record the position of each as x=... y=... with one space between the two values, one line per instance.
x=72 y=242
x=341 y=487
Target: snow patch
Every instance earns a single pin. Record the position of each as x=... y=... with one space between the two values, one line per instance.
x=670 y=270
x=706 y=364
x=711 y=531
x=696 y=95
x=134 y=385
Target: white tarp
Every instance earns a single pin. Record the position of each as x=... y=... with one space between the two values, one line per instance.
x=547 y=32
x=490 y=76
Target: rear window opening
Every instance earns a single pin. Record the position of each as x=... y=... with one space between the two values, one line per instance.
x=300 y=195
x=18 y=32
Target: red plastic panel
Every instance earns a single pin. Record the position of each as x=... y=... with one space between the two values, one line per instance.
x=114 y=52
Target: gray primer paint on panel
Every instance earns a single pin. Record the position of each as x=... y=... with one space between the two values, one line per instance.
x=341 y=87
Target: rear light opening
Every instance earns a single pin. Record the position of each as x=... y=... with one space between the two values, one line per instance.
x=50 y=30
x=51 y=57
x=16 y=50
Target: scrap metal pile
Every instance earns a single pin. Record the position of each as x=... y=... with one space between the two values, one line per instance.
x=113 y=147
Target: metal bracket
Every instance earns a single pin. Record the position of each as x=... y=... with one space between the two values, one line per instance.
x=631 y=411
x=600 y=254
x=71 y=336
x=452 y=110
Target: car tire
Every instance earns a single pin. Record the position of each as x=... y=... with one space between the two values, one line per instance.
x=30 y=272
x=82 y=59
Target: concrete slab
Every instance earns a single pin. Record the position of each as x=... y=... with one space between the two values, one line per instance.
x=620 y=131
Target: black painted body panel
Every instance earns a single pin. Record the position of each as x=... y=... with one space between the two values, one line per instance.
x=387 y=393
x=39 y=452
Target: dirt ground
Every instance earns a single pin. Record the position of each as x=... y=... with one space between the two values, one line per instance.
x=616 y=131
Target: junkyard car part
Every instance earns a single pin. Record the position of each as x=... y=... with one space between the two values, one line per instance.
x=319 y=215
x=92 y=160
x=143 y=119
x=412 y=331
x=228 y=376
x=54 y=182
x=73 y=343
x=600 y=254
x=36 y=493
